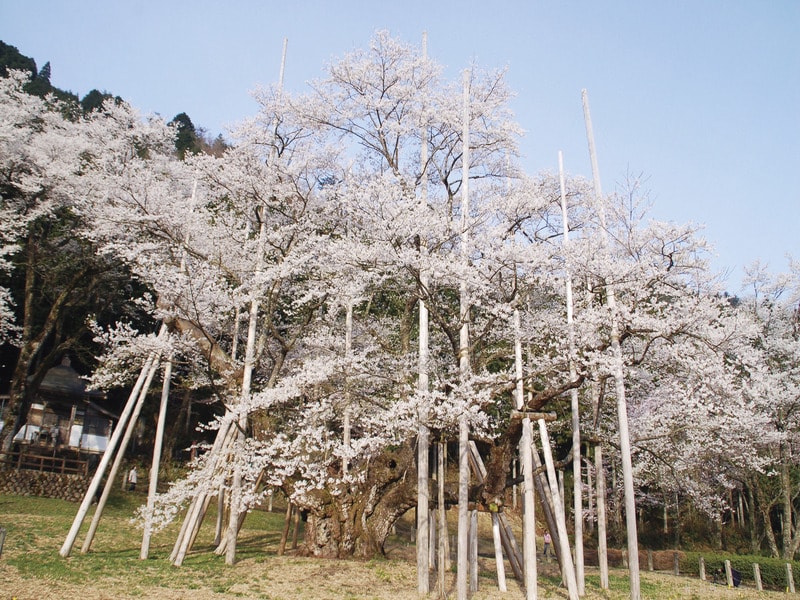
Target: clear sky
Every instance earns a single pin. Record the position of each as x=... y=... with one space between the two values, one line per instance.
x=700 y=96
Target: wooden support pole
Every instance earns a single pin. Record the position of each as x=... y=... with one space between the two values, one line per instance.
x=194 y=531
x=589 y=493
x=546 y=502
x=222 y=547
x=220 y=516
x=424 y=529
x=184 y=527
x=577 y=484
x=443 y=562
x=602 y=544
x=463 y=510
x=118 y=456
x=529 y=510
x=463 y=359
x=156 y=461
x=194 y=517
x=619 y=378
x=94 y=485
x=526 y=462
x=513 y=553
x=757 y=577
x=235 y=508
x=473 y=551
x=514 y=463
x=431 y=541
x=567 y=566
x=235 y=497
x=789 y=578
x=498 y=554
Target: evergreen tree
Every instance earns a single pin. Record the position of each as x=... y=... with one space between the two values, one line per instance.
x=10 y=58
x=40 y=85
x=186 y=139
x=94 y=101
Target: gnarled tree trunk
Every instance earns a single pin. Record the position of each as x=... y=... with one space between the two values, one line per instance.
x=356 y=520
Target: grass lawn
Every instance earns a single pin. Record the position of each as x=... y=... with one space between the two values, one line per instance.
x=31 y=568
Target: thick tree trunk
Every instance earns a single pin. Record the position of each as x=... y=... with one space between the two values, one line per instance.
x=357 y=521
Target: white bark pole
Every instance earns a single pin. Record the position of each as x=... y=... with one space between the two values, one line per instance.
x=249 y=363
x=514 y=469
x=161 y=426
x=423 y=433
x=498 y=554
x=220 y=516
x=622 y=409
x=566 y=556
x=431 y=539
x=463 y=425
x=577 y=487
x=602 y=545
x=98 y=511
x=589 y=495
x=348 y=347
x=473 y=551
x=156 y=463
x=442 y=558
x=196 y=511
x=69 y=542
x=424 y=529
x=526 y=460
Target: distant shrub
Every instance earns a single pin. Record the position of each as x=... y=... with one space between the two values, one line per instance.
x=773 y=570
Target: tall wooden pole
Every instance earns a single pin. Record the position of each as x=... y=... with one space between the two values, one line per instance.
x=526 y=460
x=567 y=566
x=423 y=433
x=602 y=551
x=120 y=454
x=577 y=487
x=616 y=349
x=94 y=485
x=197 y=509
x=156 y=463
x=443 y=560
x=249 y=364
x=348 y=350
x=464 y=366
x=161 y=425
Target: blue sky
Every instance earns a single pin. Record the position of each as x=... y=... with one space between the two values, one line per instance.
x=702 y=97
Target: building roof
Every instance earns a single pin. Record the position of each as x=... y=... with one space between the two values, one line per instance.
x=63 y=380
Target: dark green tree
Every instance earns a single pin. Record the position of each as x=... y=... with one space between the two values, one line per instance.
x=10 y=58
x=186 y=139
x=40 y=85
x=94 y=101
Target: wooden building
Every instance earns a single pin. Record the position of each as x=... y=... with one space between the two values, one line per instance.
x=64 y=421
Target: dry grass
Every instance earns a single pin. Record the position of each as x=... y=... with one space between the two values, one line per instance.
x=30 y=567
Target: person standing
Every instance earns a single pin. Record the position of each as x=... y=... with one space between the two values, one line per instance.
x=133 y=477
x=547 y=541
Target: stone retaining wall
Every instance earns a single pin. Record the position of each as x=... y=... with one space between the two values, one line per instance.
x=24 y=482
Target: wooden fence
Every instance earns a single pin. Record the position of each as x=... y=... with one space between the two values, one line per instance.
x=42 y=463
